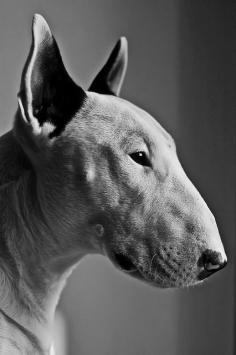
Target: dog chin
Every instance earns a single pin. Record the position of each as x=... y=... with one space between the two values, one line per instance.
x=161 y=283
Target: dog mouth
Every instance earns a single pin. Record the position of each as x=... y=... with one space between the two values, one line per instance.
x=125 y=264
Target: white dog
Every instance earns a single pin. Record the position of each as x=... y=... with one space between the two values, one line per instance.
x=88 y=172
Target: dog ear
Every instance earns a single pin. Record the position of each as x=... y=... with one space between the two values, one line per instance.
x=110 y=79
x=47 y=94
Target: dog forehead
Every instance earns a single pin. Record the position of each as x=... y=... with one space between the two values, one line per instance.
x=122 y=118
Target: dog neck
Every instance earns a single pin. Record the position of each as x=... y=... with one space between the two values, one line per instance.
x=30 y=287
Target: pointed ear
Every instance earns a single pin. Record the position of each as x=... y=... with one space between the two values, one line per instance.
x=47 y=94
x=110 y=79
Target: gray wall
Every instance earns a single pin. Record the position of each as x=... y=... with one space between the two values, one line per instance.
x=206 y=136
x=181 y=69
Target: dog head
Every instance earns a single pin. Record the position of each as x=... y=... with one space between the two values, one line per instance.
x=108 y=175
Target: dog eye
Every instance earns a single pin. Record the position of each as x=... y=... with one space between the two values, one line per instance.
x=140 y=158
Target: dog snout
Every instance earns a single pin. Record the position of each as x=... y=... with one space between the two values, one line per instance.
x=210 y=262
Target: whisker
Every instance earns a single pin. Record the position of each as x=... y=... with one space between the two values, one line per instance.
x=160 y=269
x=150 y=268
x=166 y=261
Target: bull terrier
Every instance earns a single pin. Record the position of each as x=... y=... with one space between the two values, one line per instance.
x=85 y=172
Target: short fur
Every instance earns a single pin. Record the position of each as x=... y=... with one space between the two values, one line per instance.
x=88 y=172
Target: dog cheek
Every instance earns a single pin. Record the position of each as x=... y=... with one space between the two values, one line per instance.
x=84 y=172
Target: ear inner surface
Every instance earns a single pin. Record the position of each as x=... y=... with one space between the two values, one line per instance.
x=110 y=79
x=47 y=93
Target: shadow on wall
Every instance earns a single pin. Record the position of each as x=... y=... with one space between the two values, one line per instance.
x=207 y=76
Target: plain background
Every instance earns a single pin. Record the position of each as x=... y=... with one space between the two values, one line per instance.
x=182 y=69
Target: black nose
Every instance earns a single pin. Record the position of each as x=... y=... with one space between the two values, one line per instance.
x=210 y=262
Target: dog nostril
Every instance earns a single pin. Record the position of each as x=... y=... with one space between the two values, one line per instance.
x=210 y=262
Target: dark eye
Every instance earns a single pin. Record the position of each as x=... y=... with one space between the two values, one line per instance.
x=140 y=158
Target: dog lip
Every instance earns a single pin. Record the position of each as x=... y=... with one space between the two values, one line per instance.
x=125 y=263
x=206 y=273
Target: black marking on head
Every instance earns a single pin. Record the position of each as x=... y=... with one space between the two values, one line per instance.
x=60 y=109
